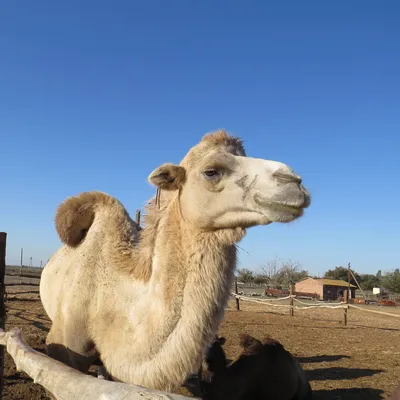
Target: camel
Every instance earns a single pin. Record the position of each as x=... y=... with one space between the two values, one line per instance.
x=149 y=301
x=264 y=370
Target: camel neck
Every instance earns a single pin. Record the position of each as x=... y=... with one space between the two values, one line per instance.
x=183 y=257
x=191 y=278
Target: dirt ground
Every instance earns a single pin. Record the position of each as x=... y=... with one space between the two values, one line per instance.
x=359 y=361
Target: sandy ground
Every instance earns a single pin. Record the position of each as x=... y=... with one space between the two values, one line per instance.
x=359 y=361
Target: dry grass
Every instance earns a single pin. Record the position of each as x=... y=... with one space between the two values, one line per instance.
x=360 y=361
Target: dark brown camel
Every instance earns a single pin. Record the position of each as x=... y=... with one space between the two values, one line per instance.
x=264 y=370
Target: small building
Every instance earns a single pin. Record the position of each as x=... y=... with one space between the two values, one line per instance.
x=326 y=289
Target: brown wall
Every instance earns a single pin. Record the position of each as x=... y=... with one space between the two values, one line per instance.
x=309 y=286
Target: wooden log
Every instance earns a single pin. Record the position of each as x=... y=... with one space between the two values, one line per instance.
x=3 y=240
x=66 y=383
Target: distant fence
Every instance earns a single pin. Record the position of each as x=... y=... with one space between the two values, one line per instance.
x=3 y=294
x=25 y=275
x=344 y=305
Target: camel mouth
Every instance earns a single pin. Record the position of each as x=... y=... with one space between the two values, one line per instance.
x=294 y=209
x=294 y=206
x=283 y=211
x=286 y=212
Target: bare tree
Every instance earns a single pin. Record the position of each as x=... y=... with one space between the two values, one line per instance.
x=283 y=273
x=291 y=272
x=270 y=268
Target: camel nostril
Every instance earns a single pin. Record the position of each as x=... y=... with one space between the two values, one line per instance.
x=284 y=177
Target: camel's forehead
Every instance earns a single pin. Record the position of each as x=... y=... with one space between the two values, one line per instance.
x=216 y=142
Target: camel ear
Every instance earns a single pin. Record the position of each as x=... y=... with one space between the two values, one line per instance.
x=168 y=177
x=221 y=340
x=249 y=343
x=271 y=342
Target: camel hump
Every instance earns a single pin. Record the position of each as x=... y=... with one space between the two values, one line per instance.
x=75 y=215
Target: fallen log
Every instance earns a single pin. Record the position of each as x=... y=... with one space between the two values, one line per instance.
x=66 y=383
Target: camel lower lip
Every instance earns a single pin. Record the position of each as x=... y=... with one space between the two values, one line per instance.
x=286 y=213
x=279 y=206
x=285 y=207
x=297 y=207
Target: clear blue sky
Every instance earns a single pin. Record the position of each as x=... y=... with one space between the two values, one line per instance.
x=95 y=94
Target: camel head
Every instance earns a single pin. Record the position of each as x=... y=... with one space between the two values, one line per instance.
x=219 y=187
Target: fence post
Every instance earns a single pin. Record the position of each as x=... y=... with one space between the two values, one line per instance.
x=237 y=300
x=346 y=306
x=291 y=301
x=3 y=240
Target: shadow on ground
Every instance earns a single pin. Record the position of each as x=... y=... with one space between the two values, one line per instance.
x=348 y=394
x=321 y=358
x=340 y=373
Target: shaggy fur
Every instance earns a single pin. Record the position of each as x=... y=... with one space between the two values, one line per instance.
x=264 y=370
x=148 y=301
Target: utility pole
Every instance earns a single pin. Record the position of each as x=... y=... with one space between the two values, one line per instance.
x=349 y=279
x=356 y=281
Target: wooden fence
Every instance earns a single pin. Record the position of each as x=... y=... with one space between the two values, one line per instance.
x=345 y=305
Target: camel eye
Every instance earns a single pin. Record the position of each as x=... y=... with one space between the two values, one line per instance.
x=212 y=173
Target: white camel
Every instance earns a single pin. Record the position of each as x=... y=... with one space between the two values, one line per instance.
x=148 y=302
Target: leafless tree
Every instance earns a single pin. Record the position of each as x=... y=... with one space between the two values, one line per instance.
x=283 y=273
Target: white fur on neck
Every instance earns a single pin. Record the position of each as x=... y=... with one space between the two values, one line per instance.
x=194 y=329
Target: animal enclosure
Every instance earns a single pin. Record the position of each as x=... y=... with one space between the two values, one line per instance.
x=360 y=361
